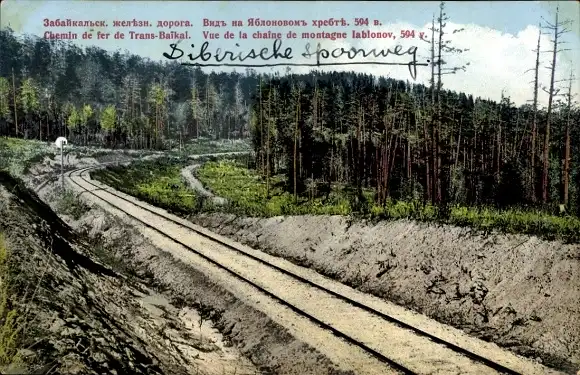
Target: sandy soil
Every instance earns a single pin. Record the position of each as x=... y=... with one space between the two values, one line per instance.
x=518 y=291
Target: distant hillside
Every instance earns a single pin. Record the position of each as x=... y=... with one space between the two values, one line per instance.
x=405 y=141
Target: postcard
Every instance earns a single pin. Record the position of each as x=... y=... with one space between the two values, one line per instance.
x=298 y=187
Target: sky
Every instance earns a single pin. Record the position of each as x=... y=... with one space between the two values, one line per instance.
x=498 y=37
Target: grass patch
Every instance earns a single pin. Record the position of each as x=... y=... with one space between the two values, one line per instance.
x=70 y=204
x=10 y=327
x=18 y=155
x=159 y=182
x=515 y=220
x=207 y=146
x=249 y=194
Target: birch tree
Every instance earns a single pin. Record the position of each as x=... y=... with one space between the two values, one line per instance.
x=85 y=115
x=109 y=121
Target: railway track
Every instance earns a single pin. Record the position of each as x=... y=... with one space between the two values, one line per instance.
x=401 y=345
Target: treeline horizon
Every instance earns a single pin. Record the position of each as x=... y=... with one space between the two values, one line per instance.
x=322 y=130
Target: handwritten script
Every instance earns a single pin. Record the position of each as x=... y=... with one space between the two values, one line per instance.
x=278 y=53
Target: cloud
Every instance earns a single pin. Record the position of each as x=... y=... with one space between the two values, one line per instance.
x=497 y=61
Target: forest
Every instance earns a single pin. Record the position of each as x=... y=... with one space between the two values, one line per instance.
x=323 y=130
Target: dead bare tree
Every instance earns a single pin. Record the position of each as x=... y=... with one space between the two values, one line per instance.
x=558 y=29
x=437 y=56
x=536 y=69
x=566 y=159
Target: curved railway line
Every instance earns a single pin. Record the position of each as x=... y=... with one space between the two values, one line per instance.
x=447 y=357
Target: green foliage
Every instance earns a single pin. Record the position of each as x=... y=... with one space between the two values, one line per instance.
x=394 y=210
x=206 y=146
x=346 y=128
x=85 y=114
x=4 y=98
x=29 y=101
x=109 y=118
x=247 y=193
x=157 y=95
x=73 y=119
x=515 y=220
x=17 y=155
x=158 y=182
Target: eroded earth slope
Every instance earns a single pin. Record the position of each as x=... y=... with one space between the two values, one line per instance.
x=82 y=316
x=518 y=291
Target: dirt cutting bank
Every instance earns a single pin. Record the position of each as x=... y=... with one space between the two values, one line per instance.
x=194 y=326
x=518 y=291
x=79 y=310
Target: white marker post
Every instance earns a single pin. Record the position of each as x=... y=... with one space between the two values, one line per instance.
x=60 y=142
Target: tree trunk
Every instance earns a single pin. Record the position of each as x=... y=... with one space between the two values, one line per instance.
x=14 y=100
x=566 y=163
x=428 y=188
x=438 y=138
x=296 y=147
x=545 y=187
x=535 y=123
